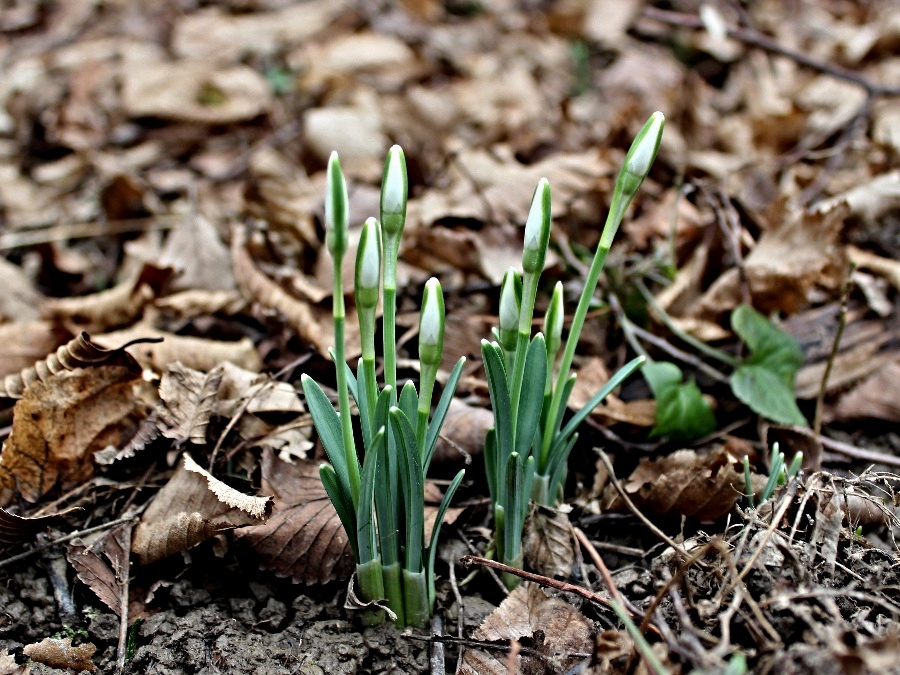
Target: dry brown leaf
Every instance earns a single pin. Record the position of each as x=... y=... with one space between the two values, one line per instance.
x=614 y=649
x=193 y=303
x=62 y=421
x=24 y=343
x=20 y=300
x=311 y=323
x=59 y=653
x=557 y=629
x=8 y=665
x=548 y=542
x=684 y=483
x=196 y=251
x=192 y=507
x=16 y=529
x=353 y=131
x=188 y=399
x=462 y=435
x=885 y=267
x=118 y=306
x=198 y=353
x=79 y=352
x=303 y=539
x=592 y=376
x=215 y=34
x=105 y=579
x=877 y=397
x=195 y=91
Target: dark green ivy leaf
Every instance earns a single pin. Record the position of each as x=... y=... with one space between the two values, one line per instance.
x=682 y=414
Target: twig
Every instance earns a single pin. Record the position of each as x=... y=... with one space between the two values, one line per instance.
x=862 y=454
x=460 y=613
x=123 y=578
x=437 y=647
x=469 y=560
x=757 y=39
x=835 y=345
x=634 y=509
x=45 y=235
x=69 y=537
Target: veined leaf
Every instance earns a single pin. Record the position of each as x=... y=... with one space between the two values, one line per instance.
x=682 y=413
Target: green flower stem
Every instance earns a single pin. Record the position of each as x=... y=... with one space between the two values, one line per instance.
x=391 y=249
x=369 y=575
x=393 y=591
x=415 y=594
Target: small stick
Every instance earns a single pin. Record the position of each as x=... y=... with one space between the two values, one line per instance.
x=842 y=322
x=437 y=647
x=123 y=578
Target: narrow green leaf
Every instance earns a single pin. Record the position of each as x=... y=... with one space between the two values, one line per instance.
x=366 y=533
x=328 y=425
x=360 y=395
x=413 y=488
x=531 y=399
x=409 y=400
x=436 y=530
x=342 y=504
x=440 y=413
x=500 y=404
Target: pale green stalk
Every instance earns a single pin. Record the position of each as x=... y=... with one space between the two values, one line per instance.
x=394 y=188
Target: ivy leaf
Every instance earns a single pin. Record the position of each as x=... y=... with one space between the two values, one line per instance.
x=682 y=413
x=765 y=379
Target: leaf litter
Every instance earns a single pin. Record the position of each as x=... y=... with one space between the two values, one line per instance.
x=161 y=176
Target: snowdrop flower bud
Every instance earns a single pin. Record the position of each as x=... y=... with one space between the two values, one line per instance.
x=510 y=303
x=642 y=153
x=368 y=265
x=336 y=210
x=537 y=229
x=394 y=188
x=431 y=325
x=553 y=321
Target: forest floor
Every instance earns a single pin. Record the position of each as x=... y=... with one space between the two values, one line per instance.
x=162 y=175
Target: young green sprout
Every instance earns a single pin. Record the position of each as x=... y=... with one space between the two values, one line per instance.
x=527 y=451
x=779 y=474
x=385 y=526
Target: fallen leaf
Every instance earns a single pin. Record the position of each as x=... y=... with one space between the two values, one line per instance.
x=557 y=630
x=876 y=397
x=59 y=653
x=201 y=260
x=21 y=300
x=684 y=483
x=188 y=398
x=104 y=577
x=303 y=539
x=15 y=529
x=62 y=421
x=196 y=92
x=8 y=665
x=548 y=542
x=462 y=436
x=192 y=507
x=24 y=343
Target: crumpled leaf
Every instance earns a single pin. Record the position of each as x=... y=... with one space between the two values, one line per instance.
x=548 y=542
x=79 y=352
x=59 y=653
x=8 y=665
x=188 y=400
x=555 y=628
x=304 y=538
x=117 y=306
x=190 y=508
x=104 y=578
x=61 y=422
x=684 y=483
x=197 y=92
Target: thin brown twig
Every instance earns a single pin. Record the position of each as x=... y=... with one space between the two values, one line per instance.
x=835 y=346
x=757 y=39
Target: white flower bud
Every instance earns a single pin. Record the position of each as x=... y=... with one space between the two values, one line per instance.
x=643 y=150
x=394 y=187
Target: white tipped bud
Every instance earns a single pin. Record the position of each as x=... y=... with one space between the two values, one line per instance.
x=370 y=255
x=394 y=186
x=509 y=302
x=431 y=325
x=537 y=229
x=641 y=155
x=336 y=209
x=553 y=320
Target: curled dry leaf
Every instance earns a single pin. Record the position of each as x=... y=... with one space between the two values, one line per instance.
x=59 y=653
x=16 y=529
x=105 y=579
x=558 y=631
x=548 y=542
x=118 y=306
x=79 y=352
x=304 y=538
x=684 y=483
x=193 y=352
x=195 y=92
x=310 y=323
x=188 y=399
x=192 y=507
x=62 y=421
x=25 y=342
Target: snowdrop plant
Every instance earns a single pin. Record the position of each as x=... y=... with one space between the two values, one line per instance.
x=527 y=451
x=381 y=502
